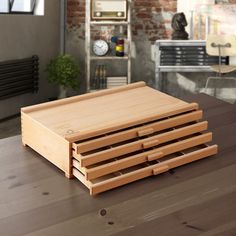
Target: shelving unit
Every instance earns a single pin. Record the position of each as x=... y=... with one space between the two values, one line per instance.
x=89 y=55
x=109 y=58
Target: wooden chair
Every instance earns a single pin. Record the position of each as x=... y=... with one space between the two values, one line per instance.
x=221 y=46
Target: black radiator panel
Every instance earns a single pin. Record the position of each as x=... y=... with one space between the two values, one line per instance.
x=19 y=77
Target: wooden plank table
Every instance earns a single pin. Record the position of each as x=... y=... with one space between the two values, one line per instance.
x=196 y=199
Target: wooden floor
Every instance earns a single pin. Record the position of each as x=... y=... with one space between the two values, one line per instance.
x=196 y=199
x=10 y=127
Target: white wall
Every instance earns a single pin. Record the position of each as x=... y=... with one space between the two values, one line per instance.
x=191 y=9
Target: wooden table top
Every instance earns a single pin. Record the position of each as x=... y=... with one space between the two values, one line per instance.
x=196 y=199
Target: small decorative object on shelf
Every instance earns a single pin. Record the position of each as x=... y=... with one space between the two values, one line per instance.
x=100 y=47
x=109 y=9
x=113 y=82
x=95 y=80
x=120 y=48
x=178 y=24
x=113 y=43
x=104 y=79
x=99 y=80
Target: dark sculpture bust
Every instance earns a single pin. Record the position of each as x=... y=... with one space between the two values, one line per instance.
x=178 y=24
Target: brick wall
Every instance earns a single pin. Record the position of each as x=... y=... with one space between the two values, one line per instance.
x=152 y=18
x=76 y=15
x=149 y=17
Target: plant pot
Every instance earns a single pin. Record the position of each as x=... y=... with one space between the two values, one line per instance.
x=62 y=92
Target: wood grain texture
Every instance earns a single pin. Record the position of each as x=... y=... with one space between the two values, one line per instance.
x=47 y=143
x=81 y=97
x=78 y=116
x=117 y=137
x=152 y=170
x=37 y=200
x=167 y=149
x=156 y=113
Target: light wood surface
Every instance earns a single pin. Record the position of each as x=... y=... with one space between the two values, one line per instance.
x=151 y=170
x=132 y=133
x=155 y=154
x=105 y=110
x=140 y=144
x=122 y=134
x=47 y=143
x=128 y=123
x=81 y=97
x=198 y=198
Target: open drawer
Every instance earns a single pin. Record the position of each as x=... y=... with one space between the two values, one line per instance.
x=154 y=153
x=139 y=144
x=140 y=167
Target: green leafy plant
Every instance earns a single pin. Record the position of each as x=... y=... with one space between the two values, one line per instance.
x=64 y=71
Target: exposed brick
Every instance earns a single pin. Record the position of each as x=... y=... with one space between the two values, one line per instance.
x=144 y=18
x=149 y=14
x=148 y=17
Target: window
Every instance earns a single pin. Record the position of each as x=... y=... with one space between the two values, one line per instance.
x=22 y=7
x=5 y=6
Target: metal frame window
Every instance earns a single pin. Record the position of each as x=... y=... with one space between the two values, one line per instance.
x=17 y=6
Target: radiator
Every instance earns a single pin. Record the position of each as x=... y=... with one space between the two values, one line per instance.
x=188 y=56
x=19 y=77
x=183 y=56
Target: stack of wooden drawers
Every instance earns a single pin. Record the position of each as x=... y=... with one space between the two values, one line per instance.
x=113 y=137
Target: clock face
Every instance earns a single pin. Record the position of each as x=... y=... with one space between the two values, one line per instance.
x=100 y=47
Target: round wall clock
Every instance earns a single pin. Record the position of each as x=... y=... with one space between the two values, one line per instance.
x=100 y=47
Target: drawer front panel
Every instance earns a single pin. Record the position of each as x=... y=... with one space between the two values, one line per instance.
x=133 y=133
x=142 y=144
x=152 y=170
x=148 y=156
x=114 y=181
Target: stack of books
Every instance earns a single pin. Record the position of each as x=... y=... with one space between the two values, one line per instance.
x=113 y=82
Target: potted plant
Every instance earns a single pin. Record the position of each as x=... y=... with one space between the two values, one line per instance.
x=63 y=71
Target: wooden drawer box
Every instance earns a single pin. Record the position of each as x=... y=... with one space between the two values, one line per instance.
x=116 y=136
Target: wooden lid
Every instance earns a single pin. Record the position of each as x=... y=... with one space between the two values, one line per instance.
x=96 y=113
